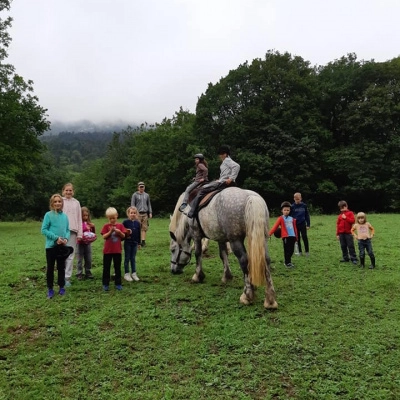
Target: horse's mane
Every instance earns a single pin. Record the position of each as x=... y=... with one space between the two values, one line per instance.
x=176 y=216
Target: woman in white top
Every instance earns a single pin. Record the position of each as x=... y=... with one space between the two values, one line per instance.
x=72 y=208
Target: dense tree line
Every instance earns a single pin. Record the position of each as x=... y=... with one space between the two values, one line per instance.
x=329 y=131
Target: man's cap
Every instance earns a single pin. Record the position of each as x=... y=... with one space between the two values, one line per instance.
x=141 y=184
x=224 y=149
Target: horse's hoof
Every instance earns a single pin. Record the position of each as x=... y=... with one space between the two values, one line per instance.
x=226 y=279
x=195 y=278
x=269 y=306
x=244 y=300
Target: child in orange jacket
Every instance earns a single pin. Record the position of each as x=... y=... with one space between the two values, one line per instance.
x=287 y=225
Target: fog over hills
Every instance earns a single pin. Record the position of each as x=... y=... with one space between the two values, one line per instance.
x=88 y=126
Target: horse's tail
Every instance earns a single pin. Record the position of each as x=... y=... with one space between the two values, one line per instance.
x=256 y=216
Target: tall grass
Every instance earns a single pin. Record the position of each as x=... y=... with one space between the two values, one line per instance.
x=335 y=335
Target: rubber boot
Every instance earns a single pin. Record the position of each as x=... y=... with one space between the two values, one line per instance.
x=362 y=262
x=372 y=266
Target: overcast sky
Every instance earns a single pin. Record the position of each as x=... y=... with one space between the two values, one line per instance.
x=136 y=61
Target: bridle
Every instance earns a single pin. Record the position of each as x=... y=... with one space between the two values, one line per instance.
x=188 y=253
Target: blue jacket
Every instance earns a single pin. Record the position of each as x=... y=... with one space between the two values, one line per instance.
x=134 y=226
x=300 y=213
x=55 y=224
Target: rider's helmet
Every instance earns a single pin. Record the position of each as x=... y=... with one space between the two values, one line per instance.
x=224 y=149
x=199 y=156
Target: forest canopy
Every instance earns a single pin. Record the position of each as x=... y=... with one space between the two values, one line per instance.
x=330 y=132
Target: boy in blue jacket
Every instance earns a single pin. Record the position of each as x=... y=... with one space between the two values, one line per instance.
x=299 y=211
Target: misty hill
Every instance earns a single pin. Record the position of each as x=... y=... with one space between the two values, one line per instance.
x=71 y=149
x=87 y=126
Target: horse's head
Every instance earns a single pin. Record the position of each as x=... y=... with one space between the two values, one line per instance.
x=180 y=247
x=181 y=254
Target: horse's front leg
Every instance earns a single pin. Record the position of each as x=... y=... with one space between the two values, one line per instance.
x=239 y=250
x=269 y=302
x=223 y=253
x=199 y=275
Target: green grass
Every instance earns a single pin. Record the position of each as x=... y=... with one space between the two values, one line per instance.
x=335 y=335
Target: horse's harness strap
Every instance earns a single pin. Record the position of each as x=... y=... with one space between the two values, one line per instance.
x=188 y=253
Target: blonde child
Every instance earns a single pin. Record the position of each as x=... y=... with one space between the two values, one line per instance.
x=288 y=232
x=363 y=231
x=55 y=228
x=72 y=208
x=84 y=246
x=113 y=233
x=131 y=243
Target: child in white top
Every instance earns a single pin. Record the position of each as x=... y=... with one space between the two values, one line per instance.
x=72 y=208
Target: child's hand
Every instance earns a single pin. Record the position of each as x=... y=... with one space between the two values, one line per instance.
x=344 y=216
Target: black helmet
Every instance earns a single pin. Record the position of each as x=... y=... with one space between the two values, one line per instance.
x=224 y=149
x=285 y=204
x=199 y=156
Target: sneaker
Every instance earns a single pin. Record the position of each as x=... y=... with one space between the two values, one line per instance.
x=118 y=287
x=67 y=283
x=371 y=267
x=106 y=288
x=61 y=292
x=128 y=277
x=89 y=275
x=143 y=244
x=344 y=260
x=289 y=265
x=307 y=254
x=354 y=262
x=135 y=277
x=182 y=207
x=79 y=276
x=50 y=293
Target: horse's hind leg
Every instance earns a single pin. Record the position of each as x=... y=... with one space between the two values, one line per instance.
x=223 y=253
x=269 y=302
x=239 y=250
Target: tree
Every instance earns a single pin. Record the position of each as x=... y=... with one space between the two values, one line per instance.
x=268 y=112
x=22 y=121
x=360 y=102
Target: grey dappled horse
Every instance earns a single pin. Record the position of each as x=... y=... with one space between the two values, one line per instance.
x=231 y=216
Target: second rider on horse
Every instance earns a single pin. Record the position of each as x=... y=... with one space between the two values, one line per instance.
x=229 y=172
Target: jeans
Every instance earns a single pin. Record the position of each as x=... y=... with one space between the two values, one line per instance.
x=84 y=253
x=365 y=245
x=302 y=231
x=107 y=259
x=347 y=245
x=50 y=260
x=130 y=255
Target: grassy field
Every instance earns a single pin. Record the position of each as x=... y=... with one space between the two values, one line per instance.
x=336 y=334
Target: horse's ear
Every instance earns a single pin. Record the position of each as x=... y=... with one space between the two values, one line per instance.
x=173 y=237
